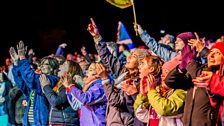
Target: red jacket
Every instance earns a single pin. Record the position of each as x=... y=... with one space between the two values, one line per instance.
x=217 y=87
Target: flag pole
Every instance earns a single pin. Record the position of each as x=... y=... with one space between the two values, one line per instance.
x=135 y=21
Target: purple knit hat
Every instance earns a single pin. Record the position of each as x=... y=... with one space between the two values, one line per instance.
x=185 y=36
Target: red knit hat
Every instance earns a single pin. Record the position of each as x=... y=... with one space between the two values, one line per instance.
x=185 y=36
x=142 y=47
x=219 y=46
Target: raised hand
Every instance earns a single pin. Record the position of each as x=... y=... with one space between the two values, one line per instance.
x=203 y=80
x=44 y=81
x=14 y=55
x=78 y=79
x=144 y=86
x=63 y=45
x=101 y=71
x=129 y=86
x=147 y=83
x=31 y=52
x=92 y=28
x=138 y=28
x=198 y=43
x=83 y=50
x=21 y=49
x=67 y=80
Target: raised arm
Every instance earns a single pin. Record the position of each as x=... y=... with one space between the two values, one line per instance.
x=93 y=95
x=153 y=45
x=60 y=49
x=111 y=62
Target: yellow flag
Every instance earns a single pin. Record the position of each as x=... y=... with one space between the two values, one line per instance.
x=120 y=3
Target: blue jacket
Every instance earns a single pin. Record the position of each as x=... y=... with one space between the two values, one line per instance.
x=27 y=80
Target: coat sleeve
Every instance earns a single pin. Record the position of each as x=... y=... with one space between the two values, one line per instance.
x=178 y=80
x=73 y=102
x=19 y=81
x=140 y=99
x=59 y=51
x=217 y=85
x=167 y=106
x=160 y=51
x=114 y=96
x=93 y=95
x=55 y=99
x=28 y=75
x=111 y=62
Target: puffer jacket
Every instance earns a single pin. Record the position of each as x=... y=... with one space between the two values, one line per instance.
x=60 y=112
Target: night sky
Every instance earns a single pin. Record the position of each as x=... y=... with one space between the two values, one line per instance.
x=44 y=24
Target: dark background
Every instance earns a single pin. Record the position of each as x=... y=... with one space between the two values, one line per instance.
x=44 y=24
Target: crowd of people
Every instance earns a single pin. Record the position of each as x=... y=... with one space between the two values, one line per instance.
x=175 y=81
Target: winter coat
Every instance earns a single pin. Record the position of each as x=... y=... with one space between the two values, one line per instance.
x=197 y=110
x=120 y=109
x=93 y=102
x=27 y=80
x=60 y=112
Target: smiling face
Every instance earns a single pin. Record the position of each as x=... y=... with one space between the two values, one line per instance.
x=45 y=67
x=63 y=69
x=90 y=73
x=215 y=57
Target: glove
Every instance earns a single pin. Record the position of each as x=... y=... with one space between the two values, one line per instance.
x=187 y=55
x=21 y=50
x=14 y=56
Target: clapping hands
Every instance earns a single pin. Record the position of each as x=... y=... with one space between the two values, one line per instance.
x=147 y=83
x=67 y=80
x=44 y=81
x=203 y=80
x=101 y=71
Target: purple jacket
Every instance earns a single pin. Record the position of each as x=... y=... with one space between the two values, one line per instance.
x=93 y=102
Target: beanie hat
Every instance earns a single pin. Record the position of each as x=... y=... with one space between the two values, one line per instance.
x=140 y=53
x=172 y=63
x=219 y=46
x=185 y=36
